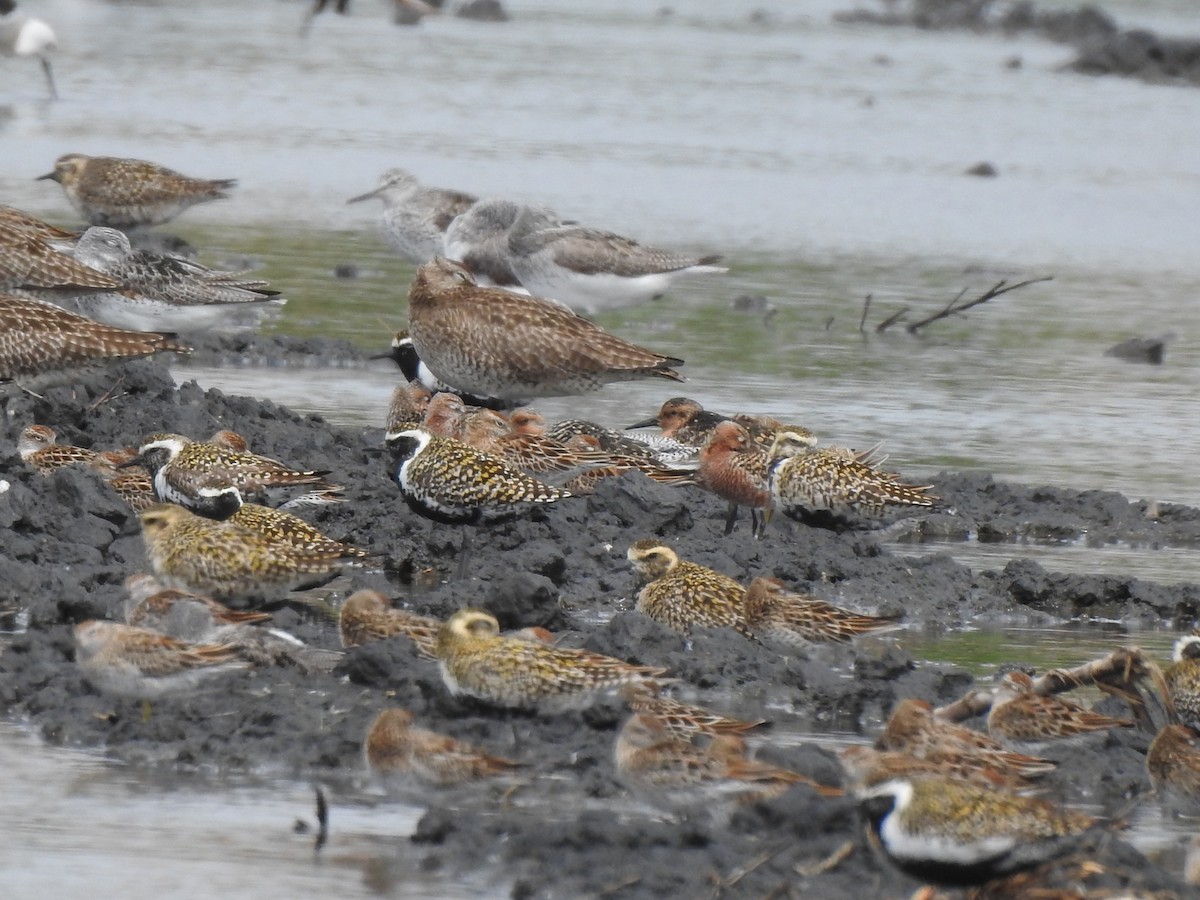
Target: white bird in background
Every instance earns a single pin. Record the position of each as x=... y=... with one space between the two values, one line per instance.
x=21 y=35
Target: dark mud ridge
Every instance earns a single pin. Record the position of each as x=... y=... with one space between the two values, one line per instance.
x=569 y=830
x=1103 y=47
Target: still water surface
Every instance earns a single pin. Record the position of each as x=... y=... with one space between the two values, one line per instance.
x=824 y=161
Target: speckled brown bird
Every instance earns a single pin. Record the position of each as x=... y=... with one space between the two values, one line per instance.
x=132 y=662
x=34 y=260
x=281 y=526
x=681 y=720
x=734 y=468
x=195 y=473
x=763 y=429
x=790 y=620
x=404 y=354
x=804 y=478
x=1173 y=764
x=17 y=220
x=1024 y=720
x=368 y=615
x=685 y=420
x=679 y=774
x=128 y=193
x=407 y=407
x=956 y=833
x=42 y=343
x=38 y=447
x=150 y=603
x=684 y=595
x=664 y=452
x=131 y=482
x=1183 y=679
x=477 y=661
x=403 y=754
x=866 y=767
x=495 y=343
x=913 y=728
x=226 y=560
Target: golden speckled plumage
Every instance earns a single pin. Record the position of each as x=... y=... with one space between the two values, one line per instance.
x=449 y=481
x=477 y=661
x=777 y=615
x=399 y=751
x=496 y=343
x=805 y=478
x=1183 y=679
x=1173 y=764
x=227 y=560
x=38 y=338
x=127 y=193
x=684 y=595
x=368 y=615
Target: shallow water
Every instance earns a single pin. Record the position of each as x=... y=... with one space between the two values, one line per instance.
x=826 y=162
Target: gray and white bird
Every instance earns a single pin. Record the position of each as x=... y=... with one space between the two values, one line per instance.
x=22 y=35
x=478 y=238
x=415 y=217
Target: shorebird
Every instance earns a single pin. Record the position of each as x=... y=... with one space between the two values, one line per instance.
x=494 y=343
x=36 y=260
x=956 y=833
x=41 y=343
x=15 y=221
x=1029 y=722
x=684 y=420
x=734 y=468
x=129 y=193
x=227 y=560
x=196 y=474
x=866 y=767
x=666 y=452
x=477 y=661
x=684 y=595
x=404 y=355
x=166 y=292
x=143 y=665
x=681 y=720
x=805 y=479
x=478 y=239
x=679 y=775
x=22 y=35
x=38 y=447
x=415 y=217
x=403 y=754
x=368 y=615
x=150 y=604
x=778 y=616
x=590 y=269
x=1183 y=679
x=1173 y=764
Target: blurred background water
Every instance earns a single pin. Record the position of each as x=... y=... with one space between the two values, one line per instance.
x=826 y=162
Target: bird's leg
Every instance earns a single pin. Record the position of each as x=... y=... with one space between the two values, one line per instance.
x=731 y=517
x=49 y=77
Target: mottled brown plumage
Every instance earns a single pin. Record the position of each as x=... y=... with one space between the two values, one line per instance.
x=784 y=618
x=33 y=260
x=1183 y=679
x=494 y=343
x=866 y=767
x=734 y=468
x=39 y=447
x=1173 y=764
x=399 y=752
x=685 y=420
x=681 y=720
x=127 y=193
x=1024 y=720
x=39 y=338
x=368 y=615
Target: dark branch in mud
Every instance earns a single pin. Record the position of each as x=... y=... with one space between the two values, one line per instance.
x=954 y=307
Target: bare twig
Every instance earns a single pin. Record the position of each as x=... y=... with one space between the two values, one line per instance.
x=829 y=863
x=891 y=320
x=954 y=306
x=862 y=322
x=322 y=820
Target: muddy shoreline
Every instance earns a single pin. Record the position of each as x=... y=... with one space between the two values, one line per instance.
x=569 y=830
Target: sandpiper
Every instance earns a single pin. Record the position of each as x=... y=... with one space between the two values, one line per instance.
x=477 y=661
x=37 y=262
x=166 y=292
x=685 y=420
x=15 y=221
x=367 y=616
x=478 y=239
x=128 y=193
x=913 y=728
x=226 y=560
x=196 y=474
x=590 y=269
x=681 y=720
x=133 y=662
x=415 y=217
x=1183 y=679
x=734 y=468
x=494 y=343
x=403 y=754
x=1029 y=722
x=678 y=774
x=866 y=767
x=150 y=603
x=39 y=447
x=806 y=479
x=684 y=595
x=1173 y=764
x=407 y=406
x=790 y=620
x=957 y=833
x=40 y=343
x=666 y=452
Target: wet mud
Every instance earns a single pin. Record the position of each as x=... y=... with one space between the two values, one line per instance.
x=569 y=829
